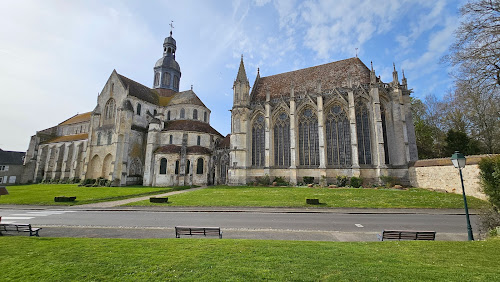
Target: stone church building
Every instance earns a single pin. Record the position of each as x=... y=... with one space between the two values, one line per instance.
x=323 y=121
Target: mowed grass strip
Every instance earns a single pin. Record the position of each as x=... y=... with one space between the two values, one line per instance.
x=43 y=194
x=295 y=197
x=93 y=259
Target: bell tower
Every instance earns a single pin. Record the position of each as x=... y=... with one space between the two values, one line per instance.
x=167 y=73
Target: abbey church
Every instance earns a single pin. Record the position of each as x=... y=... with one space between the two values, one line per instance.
x=328 y=120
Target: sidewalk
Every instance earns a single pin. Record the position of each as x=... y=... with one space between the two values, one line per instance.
x=131 y=200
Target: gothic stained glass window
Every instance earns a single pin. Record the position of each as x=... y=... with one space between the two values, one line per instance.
x=258 y=140
x=363 y=133
x=384 y=133
x=163 y=166
x=308 y=138
x=338 y=138
x=282 y=140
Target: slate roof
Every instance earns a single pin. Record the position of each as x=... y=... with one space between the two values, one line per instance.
x=198 y=150
x=225 y=143
x=67 y=138
x=190 y=125
x=140 y=91
x=168 y=149
x=186 y=97
x=330 y=75
x=77 y=118
x=11 y=157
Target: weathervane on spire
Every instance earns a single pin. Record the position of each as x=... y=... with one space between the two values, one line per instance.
x=171 y=27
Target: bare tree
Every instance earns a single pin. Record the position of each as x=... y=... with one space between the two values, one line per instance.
x=476 y=51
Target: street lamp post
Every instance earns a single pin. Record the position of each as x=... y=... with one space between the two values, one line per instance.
x=458 y=160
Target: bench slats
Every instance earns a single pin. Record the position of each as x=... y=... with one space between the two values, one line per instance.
x=4 y=227
x=407 y=235
x=186 y=230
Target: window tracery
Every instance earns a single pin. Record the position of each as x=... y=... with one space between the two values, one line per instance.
x=338 y=137
x=308 y=138
x=282 y=140
x=363 y=133
x=258 y=140
x=109 y=109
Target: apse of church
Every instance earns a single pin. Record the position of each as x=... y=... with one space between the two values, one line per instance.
x=324 y=121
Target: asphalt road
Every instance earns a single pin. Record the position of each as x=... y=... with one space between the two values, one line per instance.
x=247 y=225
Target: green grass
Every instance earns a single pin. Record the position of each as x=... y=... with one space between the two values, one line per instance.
x=43 y=194
x=295 y=197
x=91 y=259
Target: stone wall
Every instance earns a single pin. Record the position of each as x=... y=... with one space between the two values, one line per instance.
x=442 y=175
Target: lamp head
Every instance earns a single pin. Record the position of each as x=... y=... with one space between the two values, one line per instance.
x=458 y=160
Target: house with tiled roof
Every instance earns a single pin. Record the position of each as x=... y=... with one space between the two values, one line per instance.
x=157 y=136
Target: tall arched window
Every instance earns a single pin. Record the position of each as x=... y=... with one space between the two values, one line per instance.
x=177 y=167
x=338 y=137
x=195 y=114
x=198 y=140
x=176 y=81
x=171 y=139
x=139 y=109
x=308 y=138
x=205 y=116
x=166 y=78
x=110 y=136
x=384 y=133
x=188 y=165
x=157 y=78
x=163 y=166
x=155 y=112
x=258 y=140
x=98 y=138
x=282 y=140
x=168 y=115
x=109 y=109
x=363 y=132
x=199 y=166
x=183 y=113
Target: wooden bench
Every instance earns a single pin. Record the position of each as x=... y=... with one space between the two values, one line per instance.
x=407 y=235
x=4 y=227
x=189 y=230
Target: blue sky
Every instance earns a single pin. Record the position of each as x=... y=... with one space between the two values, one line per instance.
x=55 y=56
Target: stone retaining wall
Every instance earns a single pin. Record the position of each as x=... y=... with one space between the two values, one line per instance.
x=440 y=174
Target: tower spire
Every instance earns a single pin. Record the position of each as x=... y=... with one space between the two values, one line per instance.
x=242 y=75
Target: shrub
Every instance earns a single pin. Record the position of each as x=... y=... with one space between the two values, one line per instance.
x=280 y=181
x=490 y=179
x=341 y=180
x=489 y=222
x=389 y=181
x=356 y=182
x=308 y=179
x=263 y=180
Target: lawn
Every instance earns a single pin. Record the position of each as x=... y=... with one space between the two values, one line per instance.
x=295 y=197
x=91 y=259
x=43 y=194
